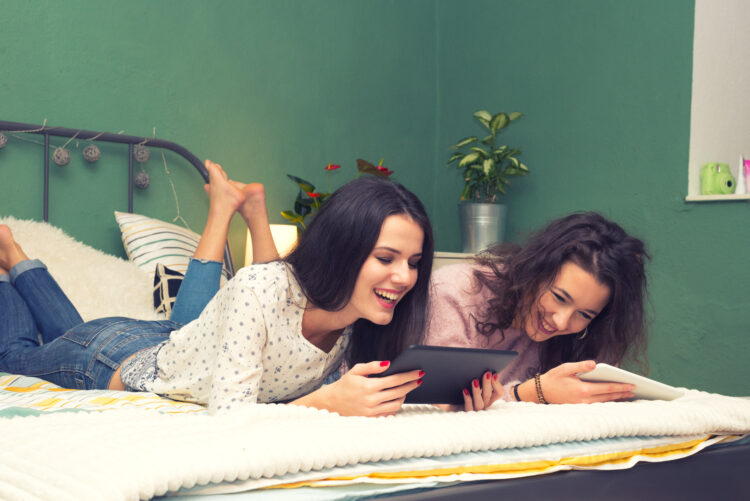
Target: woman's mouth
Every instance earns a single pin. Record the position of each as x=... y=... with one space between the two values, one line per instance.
x=544 y=327
x=386 y=298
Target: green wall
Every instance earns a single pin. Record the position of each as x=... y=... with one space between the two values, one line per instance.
x=606 y=86
x=264 y=88
x=269 y=88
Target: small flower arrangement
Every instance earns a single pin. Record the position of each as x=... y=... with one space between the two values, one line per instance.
x=309 y=200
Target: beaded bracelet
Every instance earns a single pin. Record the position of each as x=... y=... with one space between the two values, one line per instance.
x=515 y=392
x=539 y=394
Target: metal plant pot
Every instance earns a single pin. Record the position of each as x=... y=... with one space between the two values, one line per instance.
x=482 y=225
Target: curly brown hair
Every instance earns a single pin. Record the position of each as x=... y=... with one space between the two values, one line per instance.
x=599 y=246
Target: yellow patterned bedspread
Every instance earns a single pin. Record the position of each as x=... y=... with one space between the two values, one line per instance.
x=23 y=396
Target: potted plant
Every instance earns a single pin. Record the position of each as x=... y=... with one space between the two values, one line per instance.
x=486 y=169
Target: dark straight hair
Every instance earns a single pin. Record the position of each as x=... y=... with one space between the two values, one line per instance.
x=331 y=251
x=599 y=246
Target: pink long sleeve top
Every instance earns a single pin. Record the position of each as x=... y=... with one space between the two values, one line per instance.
x=456 y=302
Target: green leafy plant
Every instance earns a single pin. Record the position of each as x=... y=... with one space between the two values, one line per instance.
x=485 y=166
x=308 y=200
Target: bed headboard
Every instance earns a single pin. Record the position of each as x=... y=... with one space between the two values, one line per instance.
x=132 y=141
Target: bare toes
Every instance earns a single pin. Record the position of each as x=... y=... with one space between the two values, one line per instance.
x=215 y=169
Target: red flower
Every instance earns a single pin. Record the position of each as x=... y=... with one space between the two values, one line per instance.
x=332 y=167
x=384 y=170
x=312 y=194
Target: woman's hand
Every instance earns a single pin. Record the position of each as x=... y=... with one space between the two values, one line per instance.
x=561 y=385
x=481 y=394
x=356 y=394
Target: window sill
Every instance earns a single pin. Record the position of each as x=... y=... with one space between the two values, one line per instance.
x=716 y=198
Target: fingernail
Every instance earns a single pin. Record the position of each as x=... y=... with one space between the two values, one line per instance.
x=385 y=363
x=494 y=377
x=419 y=381
x=476 y=383
x=487 y=376
x=466 y=392
x=421 y=373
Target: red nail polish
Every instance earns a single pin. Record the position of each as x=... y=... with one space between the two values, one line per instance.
x=421 y=373
x=419 y=381
x=487 y=376
x=385 y=363
x=476 y=383
x=466 y=392
x=495 y=377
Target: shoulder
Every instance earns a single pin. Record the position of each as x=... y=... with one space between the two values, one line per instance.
x=263 y=276
x=457 y=299
x=270 y=281
x=458 y=280
x=462 y=272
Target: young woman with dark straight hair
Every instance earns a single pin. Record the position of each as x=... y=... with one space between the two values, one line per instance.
x=346 y=231
x=354 y=289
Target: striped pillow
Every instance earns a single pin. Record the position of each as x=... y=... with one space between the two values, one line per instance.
x=149 y=241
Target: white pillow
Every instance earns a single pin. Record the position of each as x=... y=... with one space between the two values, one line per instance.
x=149 y=241
x=98 y=284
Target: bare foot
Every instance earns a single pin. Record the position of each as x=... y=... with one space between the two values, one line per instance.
x=10 y=252
x=225 y=195
x=255 y=201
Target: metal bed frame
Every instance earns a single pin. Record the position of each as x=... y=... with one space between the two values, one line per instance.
x=88 y=135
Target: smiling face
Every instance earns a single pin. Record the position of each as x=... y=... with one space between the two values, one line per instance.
x=567 y=306
x=389 y=272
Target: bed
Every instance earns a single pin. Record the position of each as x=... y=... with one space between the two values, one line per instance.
x=54 y=441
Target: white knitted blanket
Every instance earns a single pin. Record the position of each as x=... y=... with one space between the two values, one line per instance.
x=136 y=454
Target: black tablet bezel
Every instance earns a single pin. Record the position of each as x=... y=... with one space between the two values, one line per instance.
x=448 y=370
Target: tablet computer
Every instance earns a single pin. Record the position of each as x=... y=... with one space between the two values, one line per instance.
x=645 y=388
x=447 y=371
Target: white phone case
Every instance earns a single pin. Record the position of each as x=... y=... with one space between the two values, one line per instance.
x=645 y=388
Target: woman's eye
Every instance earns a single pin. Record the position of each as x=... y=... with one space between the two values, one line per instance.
x=558 y=297
x=586 y=316
x=384 y=260
x=413 y=266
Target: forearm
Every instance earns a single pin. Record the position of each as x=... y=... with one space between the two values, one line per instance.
x=526 y=392
x=317 y=399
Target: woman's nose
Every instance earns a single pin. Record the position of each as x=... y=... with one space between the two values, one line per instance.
x=562 y=319
x=401 y=273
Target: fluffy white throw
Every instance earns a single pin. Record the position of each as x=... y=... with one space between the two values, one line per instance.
x=135 y=454
x=98 y=284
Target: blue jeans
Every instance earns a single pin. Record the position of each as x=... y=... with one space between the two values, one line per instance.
x=201 y=283
x=42 y=334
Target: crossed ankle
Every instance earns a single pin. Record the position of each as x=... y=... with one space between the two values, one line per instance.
x=24 y=266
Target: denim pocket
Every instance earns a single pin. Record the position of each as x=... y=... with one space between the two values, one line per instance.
x=84 y=334
x=79 y=380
